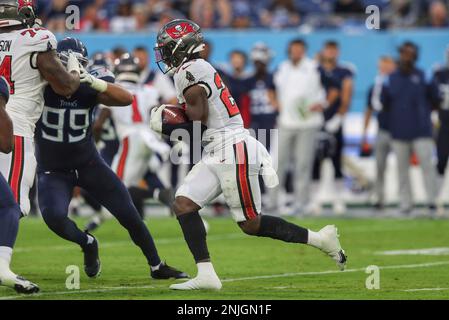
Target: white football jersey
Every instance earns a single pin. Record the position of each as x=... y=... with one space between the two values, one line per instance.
x=18 y=53
x=136 y=116
x=224 y=124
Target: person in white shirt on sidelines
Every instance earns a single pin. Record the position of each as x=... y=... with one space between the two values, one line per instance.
x=302 y=99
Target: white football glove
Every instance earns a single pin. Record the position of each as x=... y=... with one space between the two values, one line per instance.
x=73 y=63
x=334 y=124
x=96 y=84
x=156 y=118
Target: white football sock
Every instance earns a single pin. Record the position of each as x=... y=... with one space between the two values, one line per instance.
x=5 y=260
x=90 y=239
x=314 y=239
x=205 y=268
x=155 y=268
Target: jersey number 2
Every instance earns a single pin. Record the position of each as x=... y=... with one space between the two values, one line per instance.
x=225 y=96
x=6 y=71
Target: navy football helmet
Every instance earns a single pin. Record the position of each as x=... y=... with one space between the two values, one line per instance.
x=127 y=68
x=75 y=46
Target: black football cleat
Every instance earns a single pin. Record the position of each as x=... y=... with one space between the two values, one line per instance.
x=166 y=272
x=92 y=264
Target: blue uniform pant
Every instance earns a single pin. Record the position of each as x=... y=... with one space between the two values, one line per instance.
x=9 y=215
x=55 y=193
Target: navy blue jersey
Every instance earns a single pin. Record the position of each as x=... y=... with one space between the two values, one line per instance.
x=258 y=95
x=63 y=134
x=439 y=92
x=405 y=98
x=334 y=79
x=382 y=116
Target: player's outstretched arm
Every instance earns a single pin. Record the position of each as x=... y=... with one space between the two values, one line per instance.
x=116 y=96
x=6 y=126
x=64 y=82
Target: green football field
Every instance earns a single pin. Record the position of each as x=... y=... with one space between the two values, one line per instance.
x=251 y=268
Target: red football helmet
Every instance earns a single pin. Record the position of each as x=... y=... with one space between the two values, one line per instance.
x=177 y=42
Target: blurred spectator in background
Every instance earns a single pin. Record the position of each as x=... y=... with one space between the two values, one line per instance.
x=263 y=105
x=280 y=14
x=405 y=97
x=56 y=15
x=439 y=88
x=211 y=13
x=302 y=98
x=438 y=15
x=349 y=7
x=234 y=78
x=241 y=14
x=402 y=13
x=155 y=78
x=340 y=77
x=94 y=19
x=160 y=12
x=124 y=21
x=382 y=148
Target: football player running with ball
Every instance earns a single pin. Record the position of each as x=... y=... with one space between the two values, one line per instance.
x=232 y=160
x=67 y=157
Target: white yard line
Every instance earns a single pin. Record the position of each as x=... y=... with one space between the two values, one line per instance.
x=441 y=251
x=283 y=275
x=425 y=289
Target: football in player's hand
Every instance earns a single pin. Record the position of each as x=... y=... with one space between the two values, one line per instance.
x=174 y=115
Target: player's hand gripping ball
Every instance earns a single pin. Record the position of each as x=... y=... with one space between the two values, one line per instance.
x=167 y=114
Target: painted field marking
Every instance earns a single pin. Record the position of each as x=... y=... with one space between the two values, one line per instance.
x=283 y=275
x=425 y=289
x=313 y=273
x=444 y=251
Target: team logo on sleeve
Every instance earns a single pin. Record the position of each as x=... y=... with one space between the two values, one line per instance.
x=190 y=77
